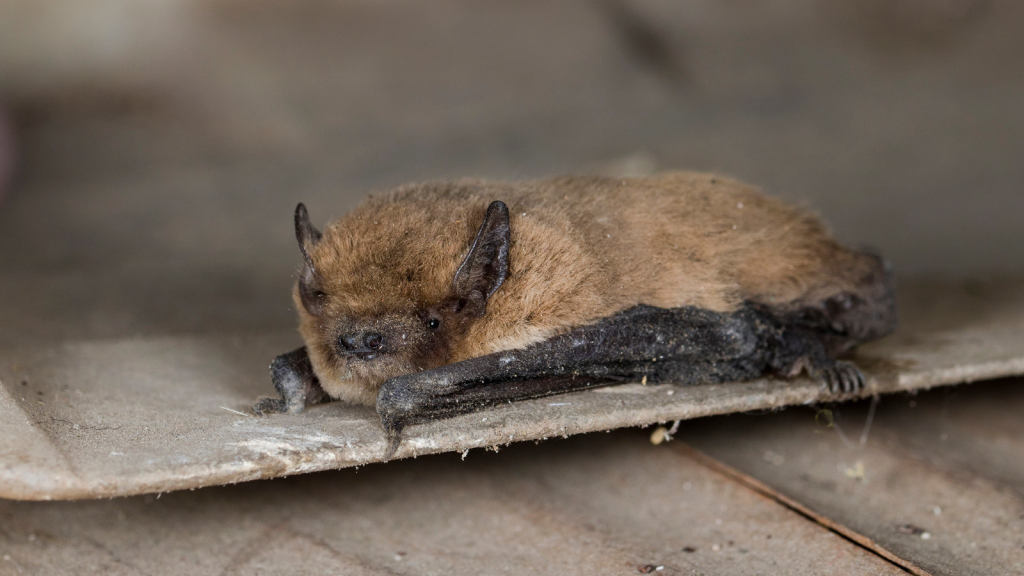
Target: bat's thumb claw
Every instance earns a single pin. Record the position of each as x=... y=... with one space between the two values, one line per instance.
x=394 y=406
x=394 y=437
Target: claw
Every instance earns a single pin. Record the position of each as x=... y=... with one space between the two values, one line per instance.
x=843 y=377
x=397 y=408
x=394 y=437
x=269 y=406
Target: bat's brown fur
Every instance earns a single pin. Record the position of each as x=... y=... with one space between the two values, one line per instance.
x=583 y=248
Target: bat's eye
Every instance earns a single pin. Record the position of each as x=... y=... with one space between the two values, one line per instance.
x=433 y=323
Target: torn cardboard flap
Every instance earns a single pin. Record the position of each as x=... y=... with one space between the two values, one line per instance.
x=94 y=419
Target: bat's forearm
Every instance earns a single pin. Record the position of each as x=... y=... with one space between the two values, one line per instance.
x=638 y=335
x=682 y=344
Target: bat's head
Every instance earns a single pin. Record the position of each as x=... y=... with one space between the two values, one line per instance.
x=389 y=290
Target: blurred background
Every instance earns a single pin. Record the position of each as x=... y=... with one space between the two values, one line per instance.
x=152 y=152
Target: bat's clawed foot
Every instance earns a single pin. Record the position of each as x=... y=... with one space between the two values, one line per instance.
x=294 y=380
x=843 y=378
x=800 y=352
x=265 y=406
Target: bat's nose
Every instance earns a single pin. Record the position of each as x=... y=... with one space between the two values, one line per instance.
x=362 y=344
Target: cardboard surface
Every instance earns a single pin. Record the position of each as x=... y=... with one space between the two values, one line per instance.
x=109 y=418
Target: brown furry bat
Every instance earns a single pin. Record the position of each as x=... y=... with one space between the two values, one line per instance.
x=441 y=298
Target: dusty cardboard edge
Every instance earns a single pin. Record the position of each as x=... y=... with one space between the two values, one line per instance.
x=760 y=394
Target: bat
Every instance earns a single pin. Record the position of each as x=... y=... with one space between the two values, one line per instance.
x=443 y=298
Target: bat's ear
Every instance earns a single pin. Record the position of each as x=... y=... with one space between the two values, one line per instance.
x=305 y=233
x=308 y=236
x=486 y=265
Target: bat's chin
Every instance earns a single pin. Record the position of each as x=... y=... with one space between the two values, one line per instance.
x=358 y=379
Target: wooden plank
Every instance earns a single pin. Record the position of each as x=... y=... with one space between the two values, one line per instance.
x=939 y=480
x=798 y=507
x=602 y=504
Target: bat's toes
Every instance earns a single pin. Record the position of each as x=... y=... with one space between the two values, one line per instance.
x=843 y=378
x=852 y=377
x=269 y=406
